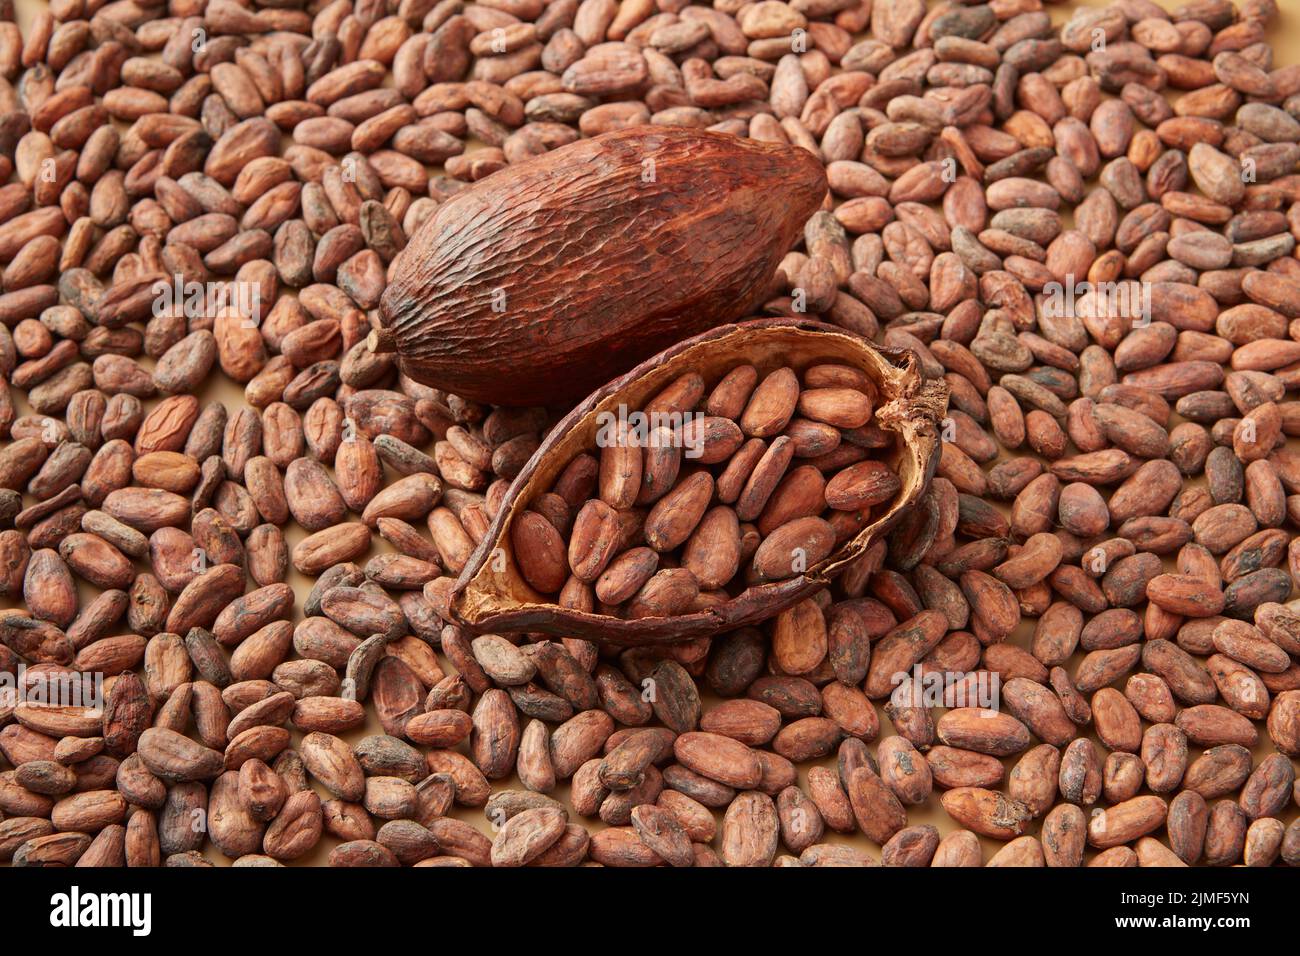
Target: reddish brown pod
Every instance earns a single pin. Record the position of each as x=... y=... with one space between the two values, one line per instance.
x=492 y=594
x=570 y=268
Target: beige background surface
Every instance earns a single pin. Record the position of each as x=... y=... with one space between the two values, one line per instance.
x=1285 y=37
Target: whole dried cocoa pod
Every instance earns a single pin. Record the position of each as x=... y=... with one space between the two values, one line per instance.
x=651 y=234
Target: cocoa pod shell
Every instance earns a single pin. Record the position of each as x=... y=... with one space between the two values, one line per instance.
x=491 y=595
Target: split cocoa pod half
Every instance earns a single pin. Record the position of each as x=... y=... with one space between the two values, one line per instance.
x=548 y=278
x=711 y=487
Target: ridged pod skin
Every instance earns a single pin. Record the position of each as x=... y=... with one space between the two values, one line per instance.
x=491 y=595
x=550 y=277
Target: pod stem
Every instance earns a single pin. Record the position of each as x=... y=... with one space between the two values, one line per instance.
x=381 y=340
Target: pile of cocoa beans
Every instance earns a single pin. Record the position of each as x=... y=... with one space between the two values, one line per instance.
x=653 y=484
x=1077 y=649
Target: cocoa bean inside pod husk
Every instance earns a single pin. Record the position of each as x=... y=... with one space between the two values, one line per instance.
x=492 y=594
x=552 y=276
